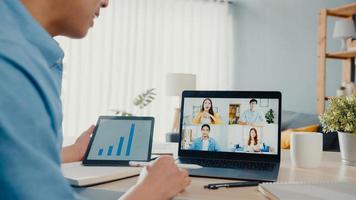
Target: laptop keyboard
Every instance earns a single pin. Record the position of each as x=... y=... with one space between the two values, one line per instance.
x=263 y=166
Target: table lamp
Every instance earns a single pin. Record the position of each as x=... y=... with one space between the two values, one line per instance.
x=343 y=30
x=175 y=84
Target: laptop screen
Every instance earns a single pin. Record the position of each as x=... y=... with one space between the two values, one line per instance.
x=241 y=125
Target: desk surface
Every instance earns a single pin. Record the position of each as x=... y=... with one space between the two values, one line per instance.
x=331 y=169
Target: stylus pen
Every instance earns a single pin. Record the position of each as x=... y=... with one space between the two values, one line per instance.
x=215 y=186
x=184 y=166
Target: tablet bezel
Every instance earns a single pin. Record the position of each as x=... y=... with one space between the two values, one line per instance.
x=91 y=162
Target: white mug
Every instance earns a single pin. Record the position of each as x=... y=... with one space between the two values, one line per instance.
x=306 y=149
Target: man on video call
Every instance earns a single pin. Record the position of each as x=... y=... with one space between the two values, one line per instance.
x=252 y=116
x=31 y=115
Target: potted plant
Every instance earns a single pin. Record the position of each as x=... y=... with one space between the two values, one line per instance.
x=141 y=101
x=270 y=116
x=341 y=117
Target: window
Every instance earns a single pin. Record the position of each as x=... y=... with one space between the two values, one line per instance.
x=132 y=46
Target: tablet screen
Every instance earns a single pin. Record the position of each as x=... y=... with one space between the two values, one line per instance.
x=121 y=139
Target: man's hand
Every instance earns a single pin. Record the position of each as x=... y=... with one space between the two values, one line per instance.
x=76 y=151
x=161 y=180
x=82 y=142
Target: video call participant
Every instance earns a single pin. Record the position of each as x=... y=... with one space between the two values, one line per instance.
x=252 y=116
x=253 y=144
x=206 y=115
x=205 y=142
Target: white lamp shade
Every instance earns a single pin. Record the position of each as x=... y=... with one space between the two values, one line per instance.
x=176 y=83
x=344 y=29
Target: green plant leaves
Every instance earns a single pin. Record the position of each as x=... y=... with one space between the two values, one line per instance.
x=270 y=116
x=144 y=99
x=340 y=116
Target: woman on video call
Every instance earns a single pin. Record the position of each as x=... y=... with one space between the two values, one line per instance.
x=206 y=114
x=253 y=144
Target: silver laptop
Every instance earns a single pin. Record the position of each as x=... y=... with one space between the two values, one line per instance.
x=232 y=134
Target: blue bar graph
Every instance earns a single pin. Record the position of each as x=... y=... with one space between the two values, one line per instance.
x=120 y=145
x=110 y=150
x=119 y=148
x=128 y=149
x=100 y=153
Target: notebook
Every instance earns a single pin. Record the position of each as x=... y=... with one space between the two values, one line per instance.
x=79 y=175
x=309 y=190
x=97 y=194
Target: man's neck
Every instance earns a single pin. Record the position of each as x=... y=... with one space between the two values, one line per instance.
x=42 y=11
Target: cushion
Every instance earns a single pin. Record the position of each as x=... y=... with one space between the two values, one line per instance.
x=286 y=135
x=293 y=120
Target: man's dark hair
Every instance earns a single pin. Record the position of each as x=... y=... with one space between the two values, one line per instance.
x=253 y=100
x=205 y=125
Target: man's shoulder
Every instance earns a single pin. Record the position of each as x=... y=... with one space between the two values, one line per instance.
x=15 y=68
x=17 y=55
x=212 y=139
x=15 y=50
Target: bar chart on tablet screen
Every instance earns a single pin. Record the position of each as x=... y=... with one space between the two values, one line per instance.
x=120 y=145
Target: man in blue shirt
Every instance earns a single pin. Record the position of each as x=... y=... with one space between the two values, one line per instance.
x=30 y=105
x=252 y=116
x=205 y=142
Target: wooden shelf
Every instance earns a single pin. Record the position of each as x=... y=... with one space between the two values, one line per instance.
x=341 y=55
x=343 y=11
x=347 y=57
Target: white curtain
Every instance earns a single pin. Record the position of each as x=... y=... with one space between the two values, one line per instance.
x=132 y=46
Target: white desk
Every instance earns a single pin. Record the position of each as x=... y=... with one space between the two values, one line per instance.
x=331 y=169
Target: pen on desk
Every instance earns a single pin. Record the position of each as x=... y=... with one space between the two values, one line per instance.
x=184 y=166
x=215 y=186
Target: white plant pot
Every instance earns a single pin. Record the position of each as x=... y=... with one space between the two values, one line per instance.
x=347 y=143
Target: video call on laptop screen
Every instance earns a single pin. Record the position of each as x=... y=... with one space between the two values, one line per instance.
x=241 y=125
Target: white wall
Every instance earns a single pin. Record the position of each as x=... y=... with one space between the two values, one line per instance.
x=276 y=44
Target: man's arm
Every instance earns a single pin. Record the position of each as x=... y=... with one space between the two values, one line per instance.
x=243 y=120
x=29 y=141
x=192 y=146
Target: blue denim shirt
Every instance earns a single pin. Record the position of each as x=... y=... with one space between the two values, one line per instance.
x=30 y=108
x=198 y=144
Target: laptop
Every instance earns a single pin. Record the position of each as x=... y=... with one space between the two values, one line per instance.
x=232 y=134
